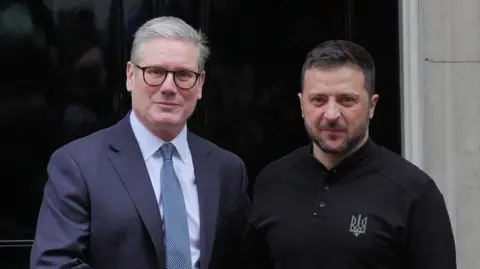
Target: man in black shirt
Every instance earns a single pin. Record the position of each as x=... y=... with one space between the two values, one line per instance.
x=342 y=201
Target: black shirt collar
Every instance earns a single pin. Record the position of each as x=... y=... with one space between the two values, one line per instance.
x=366 y=151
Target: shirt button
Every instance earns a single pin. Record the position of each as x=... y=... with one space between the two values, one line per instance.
x=321 y=204
x=326 y=187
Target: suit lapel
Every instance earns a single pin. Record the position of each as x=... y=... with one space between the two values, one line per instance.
x=208 y=188
x=127 y=160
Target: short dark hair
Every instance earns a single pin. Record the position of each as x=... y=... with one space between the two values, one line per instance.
x=338 y=53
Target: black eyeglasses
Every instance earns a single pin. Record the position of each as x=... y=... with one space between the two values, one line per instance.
x=155 y=76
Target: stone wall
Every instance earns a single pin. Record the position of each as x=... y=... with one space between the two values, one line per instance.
x=446 y=110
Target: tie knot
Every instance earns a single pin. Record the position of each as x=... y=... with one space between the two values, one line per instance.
x=167 y=151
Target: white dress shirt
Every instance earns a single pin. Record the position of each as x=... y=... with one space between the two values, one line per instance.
x=183 y=165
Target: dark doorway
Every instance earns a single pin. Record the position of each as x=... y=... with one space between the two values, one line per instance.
x=63 y=77
x=258 y=48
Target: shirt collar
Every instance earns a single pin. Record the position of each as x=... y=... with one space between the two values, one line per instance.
x=149 y=143
x=367 y=150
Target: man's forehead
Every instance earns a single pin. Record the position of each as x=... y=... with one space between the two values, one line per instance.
x=332 y=92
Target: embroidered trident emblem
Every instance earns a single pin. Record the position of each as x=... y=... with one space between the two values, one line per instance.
x=358 y=225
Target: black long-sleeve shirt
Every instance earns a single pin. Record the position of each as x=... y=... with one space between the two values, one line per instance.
x=375 y=210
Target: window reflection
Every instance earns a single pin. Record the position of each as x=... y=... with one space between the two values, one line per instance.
x=82 y=73
x=27 y=111
x=62 y=74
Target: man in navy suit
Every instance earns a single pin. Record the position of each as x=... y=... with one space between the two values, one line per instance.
x=147 y=193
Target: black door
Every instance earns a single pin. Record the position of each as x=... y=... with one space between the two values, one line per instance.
x=63 y=76
x=258 y=48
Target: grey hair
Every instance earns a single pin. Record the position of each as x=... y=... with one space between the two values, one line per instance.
x=169 y=27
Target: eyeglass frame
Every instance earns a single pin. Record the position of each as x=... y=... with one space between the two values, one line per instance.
x=143 y=68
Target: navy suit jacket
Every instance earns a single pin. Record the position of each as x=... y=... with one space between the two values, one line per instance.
x=99 y=208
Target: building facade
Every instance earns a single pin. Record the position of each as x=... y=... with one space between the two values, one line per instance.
x=441 y=108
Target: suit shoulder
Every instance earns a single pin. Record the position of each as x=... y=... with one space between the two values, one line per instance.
x=402 y=172
x=83 y=145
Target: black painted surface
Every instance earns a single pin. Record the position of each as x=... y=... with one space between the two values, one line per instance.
x=258 y=48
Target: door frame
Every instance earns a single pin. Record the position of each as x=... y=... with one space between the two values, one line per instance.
x=410 y=82
x=411 y=89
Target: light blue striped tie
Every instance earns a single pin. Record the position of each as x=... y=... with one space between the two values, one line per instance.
x=177 y=240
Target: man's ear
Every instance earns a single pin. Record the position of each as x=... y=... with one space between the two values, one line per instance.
x=201 y=80
x=373 y=104
x=300 y=98
x=130 y=76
